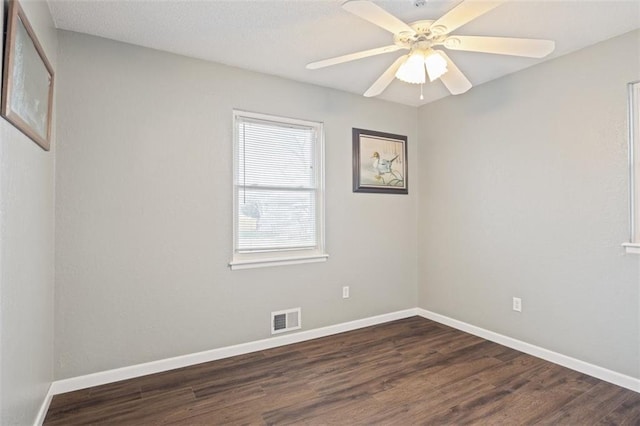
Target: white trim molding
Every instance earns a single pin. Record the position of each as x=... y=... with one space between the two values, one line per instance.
x=42 y=412
x=633 y=122
x=250 y=264
x=632 y=247
x=110 y=376
x=601 y=373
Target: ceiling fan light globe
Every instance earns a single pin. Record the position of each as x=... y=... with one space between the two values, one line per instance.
x=436 y=65
x=412 y=70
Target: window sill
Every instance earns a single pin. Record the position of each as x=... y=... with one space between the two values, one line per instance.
x=632 y=247
x=280 y=261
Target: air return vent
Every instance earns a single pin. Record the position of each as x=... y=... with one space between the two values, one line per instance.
x=286 y=320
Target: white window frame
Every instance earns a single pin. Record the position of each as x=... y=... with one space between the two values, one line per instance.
x=633 y=246
x=261 y=258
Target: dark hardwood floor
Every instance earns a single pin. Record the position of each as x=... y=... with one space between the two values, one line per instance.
x=411 y=371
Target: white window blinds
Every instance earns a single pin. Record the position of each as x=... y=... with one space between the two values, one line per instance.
x=277 y=187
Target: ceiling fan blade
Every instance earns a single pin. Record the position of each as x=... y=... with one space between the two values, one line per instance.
x=386 y=78
x=453 y=79
x=463 y=13
x=373 y=13
x=531 y=48
x=352 y=57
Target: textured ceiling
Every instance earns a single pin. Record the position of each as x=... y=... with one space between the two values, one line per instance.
x=280 y=37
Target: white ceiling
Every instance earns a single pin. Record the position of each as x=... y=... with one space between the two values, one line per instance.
x=280 y=37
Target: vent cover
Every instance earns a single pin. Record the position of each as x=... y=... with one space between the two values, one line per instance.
x=286 y=320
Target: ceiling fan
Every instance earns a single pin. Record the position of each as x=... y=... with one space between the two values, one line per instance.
x=421 y=39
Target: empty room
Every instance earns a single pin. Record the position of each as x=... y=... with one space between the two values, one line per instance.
x=388 y=212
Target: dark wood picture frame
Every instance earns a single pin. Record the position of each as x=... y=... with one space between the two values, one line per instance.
x=27 y=81
x=379 y=162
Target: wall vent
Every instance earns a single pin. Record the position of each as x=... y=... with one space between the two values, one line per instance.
x=287 y=320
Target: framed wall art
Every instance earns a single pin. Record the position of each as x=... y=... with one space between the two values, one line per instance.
x=27 y=82
x=379 y=162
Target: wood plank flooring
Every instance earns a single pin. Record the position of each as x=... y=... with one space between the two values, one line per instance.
x=406 y=372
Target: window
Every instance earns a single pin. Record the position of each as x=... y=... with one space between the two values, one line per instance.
x=278 y=191
x=633 y=246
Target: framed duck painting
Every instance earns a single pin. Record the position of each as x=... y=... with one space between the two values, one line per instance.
x=379 y=162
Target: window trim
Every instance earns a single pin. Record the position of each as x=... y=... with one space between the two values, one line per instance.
x=258 y=259
x=633 y=107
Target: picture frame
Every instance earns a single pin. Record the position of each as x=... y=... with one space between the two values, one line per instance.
x=379 y=162
x=27 y=81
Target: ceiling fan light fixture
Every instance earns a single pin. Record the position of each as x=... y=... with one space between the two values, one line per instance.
x=436 y=65
x=412 y=70
x=421 y=37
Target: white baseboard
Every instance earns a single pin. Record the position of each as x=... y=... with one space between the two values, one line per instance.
x=566 y=361
x=110 y=376
x=42 y=412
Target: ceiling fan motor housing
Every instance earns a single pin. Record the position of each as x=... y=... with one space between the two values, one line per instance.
x=422 y=37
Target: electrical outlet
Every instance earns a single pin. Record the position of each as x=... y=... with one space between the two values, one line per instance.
x=345 y=292
x=517 y=304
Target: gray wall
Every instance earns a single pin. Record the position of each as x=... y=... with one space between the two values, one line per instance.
x=523 y=192
x=144 y=221
x=26 y=257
